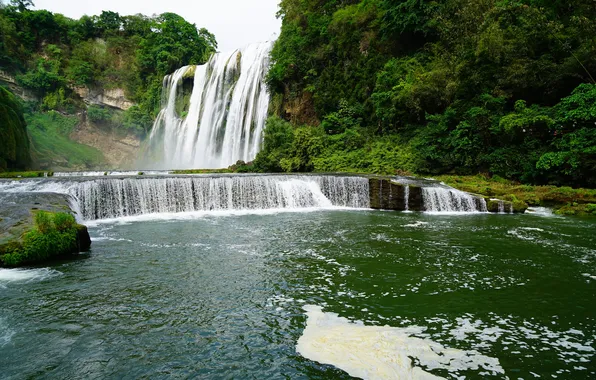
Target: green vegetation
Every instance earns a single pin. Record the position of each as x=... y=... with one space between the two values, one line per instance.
x=460 y=86
x=54 y=235
x=14 y=143
x=30 y=174
x=302 y=149
x=55 y=58
x=51 y=145
x=52 y=54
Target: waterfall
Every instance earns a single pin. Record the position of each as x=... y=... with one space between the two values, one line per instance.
x=501 y=207
x=406 y=197
x=445 y=199
x=106 y=198
x=225 y=115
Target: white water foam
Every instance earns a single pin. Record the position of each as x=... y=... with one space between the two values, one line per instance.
x=193 y=215
x=540 y=211
x=8 y=276
x=110 y=173
x=6 y=333
x=375 y=352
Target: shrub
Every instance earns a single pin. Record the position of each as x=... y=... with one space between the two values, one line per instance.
x=43 y=222
x=64 y=221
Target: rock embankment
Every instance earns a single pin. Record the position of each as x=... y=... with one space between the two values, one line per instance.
x=20 y=235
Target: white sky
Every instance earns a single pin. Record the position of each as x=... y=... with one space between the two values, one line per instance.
x=235 y=23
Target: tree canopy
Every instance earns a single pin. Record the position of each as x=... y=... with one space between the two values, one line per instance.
x=462 y=86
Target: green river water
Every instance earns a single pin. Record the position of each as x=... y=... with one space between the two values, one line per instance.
x=223 y=296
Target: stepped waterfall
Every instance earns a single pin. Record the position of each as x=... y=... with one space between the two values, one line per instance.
x=108 y=198
x=219 y=121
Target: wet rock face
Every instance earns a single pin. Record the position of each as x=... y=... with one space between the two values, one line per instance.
x=388 y=195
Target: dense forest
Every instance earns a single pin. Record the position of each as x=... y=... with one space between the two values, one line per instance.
x=504 y=88
x=50 y=56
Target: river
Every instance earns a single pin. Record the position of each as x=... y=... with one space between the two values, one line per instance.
x=225 y=294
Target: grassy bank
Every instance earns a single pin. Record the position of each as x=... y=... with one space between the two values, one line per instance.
x=29 y=174
x=564 y=200
x=51 y=146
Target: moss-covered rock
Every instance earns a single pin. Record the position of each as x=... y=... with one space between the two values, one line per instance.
x=585 y=209
x=519 y=207
x=38 y=227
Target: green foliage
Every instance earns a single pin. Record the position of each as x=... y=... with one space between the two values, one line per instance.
x=98 y=114
x=55 y=235
x=307 y=148
x=51 y=55
x=464 y=86
x=44 y=222
x=14 y=142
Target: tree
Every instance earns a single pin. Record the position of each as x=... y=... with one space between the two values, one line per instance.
x=22 y=5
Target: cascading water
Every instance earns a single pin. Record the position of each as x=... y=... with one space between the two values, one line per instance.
x=446 y=199
x=226 y=113
x=406 y=197
x=104 y=198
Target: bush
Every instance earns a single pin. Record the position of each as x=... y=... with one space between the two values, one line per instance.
x=43 y=222
x=63 y=221
x=98 y=114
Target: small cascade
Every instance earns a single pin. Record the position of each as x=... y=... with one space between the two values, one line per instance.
x=223 y=119
x=501 y=207
x=407 y=197
x=445 y=199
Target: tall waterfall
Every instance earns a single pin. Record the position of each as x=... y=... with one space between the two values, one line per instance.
x=223 y=120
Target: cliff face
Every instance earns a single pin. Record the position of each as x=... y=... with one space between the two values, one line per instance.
x=120 y=150
x=114 y=98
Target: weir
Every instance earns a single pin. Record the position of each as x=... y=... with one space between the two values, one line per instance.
x=223 y=119
x=107 y=197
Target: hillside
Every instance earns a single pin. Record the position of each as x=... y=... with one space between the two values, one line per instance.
x=504 y=88
x=91 y=87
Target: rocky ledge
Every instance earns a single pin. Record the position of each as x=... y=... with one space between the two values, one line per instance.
x=23 y=241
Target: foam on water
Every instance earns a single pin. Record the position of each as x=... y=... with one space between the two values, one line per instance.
x=540 y=211
x=193 y=215
x=110 y=173
x=375 y=352
x=444 y=199
x=26 y=275
x=6 y=333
